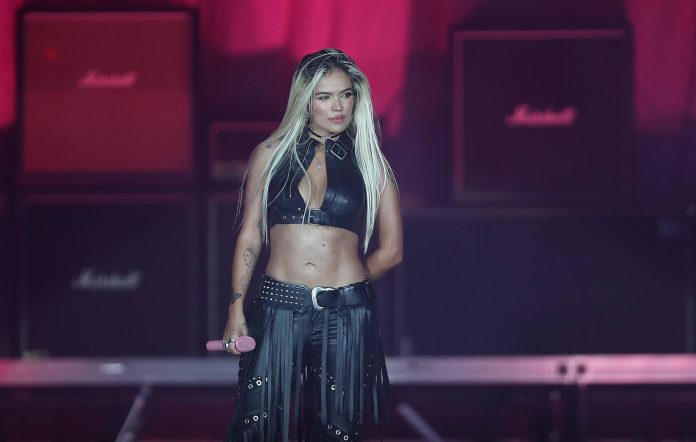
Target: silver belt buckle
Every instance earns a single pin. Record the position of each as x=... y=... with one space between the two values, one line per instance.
x=315 y=291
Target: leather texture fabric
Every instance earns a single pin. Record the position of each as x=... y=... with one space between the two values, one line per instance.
x=343 y=205
x=334 y=355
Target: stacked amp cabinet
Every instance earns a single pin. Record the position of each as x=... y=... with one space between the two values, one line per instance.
x=542 y=115
x=543 y=251
x=106 y=97
x=107 y=211
x=109 y=274
x=544 y=281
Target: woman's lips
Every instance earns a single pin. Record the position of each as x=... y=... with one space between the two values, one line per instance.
x=337 y=120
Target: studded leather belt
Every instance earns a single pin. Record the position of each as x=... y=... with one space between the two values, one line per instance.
x=299 y=296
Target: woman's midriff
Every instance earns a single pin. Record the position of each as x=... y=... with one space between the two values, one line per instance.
x=314 y=255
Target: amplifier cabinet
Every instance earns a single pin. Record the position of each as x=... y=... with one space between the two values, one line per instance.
x=541 y=281
x=106 y=96
x=542 y=115
x=109 y=275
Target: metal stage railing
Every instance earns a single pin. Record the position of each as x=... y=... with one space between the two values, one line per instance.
x=576 y=373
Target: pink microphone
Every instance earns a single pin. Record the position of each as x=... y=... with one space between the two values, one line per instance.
x=243 y=344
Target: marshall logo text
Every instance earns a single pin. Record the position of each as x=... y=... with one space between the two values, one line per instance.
x=525 y=115
x=94 y=79
x=91 y=279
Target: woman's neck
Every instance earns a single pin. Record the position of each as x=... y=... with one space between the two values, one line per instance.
x=322 y=138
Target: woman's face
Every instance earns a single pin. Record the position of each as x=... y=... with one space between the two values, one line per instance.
x=332 y=104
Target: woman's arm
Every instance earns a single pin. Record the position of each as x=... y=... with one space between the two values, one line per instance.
x=248 y=246
x=390 y=233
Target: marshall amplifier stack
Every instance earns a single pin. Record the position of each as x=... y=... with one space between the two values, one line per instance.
x=542 y=115
x=106 y=207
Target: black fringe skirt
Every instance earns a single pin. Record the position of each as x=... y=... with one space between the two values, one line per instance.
x=333 y=352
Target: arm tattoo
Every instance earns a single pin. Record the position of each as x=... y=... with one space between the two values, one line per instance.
x=248 y=266
x=235 y=296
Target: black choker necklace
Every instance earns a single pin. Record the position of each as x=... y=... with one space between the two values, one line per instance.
x=322 y=138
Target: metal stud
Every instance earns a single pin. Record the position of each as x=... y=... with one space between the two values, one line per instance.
x=256 y=418
x=258 y=382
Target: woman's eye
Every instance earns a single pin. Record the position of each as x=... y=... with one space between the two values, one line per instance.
x=323 y=97
x=348 y=94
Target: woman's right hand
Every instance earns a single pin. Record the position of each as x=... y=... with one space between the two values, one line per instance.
x=236 y=327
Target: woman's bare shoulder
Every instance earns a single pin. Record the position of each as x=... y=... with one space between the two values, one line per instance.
x=263 y=153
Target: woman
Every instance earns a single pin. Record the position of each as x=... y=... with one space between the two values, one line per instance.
x=315 y=190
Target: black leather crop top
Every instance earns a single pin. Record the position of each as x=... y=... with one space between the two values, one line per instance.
x=344 y=201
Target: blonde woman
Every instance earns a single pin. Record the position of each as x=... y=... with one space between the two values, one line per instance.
x=316 y=190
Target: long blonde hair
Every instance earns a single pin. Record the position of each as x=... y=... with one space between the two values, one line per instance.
x=362 y=130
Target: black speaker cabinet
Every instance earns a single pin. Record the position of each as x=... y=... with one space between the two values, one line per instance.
x=522 y=281
x=542 y=115
x=6 y=299
x=108 y=275
x=106 y=96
